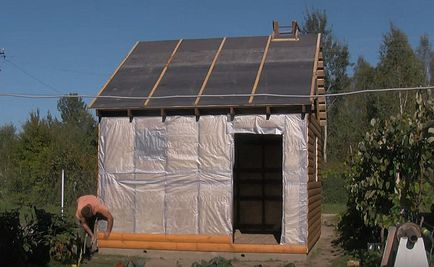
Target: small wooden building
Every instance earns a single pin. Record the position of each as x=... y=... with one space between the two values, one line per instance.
x=214 y=144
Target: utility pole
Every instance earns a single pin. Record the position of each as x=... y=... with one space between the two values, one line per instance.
x=2 y=54
x=63 y=190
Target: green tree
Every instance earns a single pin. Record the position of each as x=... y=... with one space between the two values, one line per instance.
x=34 y=181
x=398 y=68
x=336 y=61
x=77 y=153
x=432 y=69
x=424 y=53
x=350 y=123
x=364 y=79
x=336 y=53
x=8 y=143
x=391 y=172
x=44 y=148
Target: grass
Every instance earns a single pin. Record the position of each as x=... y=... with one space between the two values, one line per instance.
x=341 y=261
x=333 y=208
x=106 y=260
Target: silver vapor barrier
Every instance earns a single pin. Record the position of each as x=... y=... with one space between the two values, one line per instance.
x=176 y=177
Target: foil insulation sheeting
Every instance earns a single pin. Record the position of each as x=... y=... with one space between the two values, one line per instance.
x=176 y=176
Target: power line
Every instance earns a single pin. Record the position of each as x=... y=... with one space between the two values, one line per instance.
x=59 y=68
x=368 y=91
x=32 y=76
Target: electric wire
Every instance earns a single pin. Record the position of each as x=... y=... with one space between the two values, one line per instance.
x=32 y=76
x=329 y=95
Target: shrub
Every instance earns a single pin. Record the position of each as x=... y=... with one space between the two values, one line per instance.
x=391 y=176
x=32 y=236
x=11 y=241
x=214 y=262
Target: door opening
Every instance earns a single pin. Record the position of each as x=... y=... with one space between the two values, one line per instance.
x=258 y=188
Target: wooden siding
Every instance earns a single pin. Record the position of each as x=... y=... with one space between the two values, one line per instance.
x=315 y=140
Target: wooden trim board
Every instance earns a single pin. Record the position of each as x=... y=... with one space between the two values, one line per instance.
x=315 y=66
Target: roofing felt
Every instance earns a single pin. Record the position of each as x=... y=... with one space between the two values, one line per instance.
x=174 y=73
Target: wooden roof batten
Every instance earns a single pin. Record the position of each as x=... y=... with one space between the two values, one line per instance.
x=154 y=88
x=211 y=67
x=261 y=66
x=267 y=72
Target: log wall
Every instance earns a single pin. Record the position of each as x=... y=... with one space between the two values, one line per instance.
x=315 y=152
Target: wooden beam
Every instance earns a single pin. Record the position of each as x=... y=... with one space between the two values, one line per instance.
x=295 y=29
x=285 y=40
x=322 y=116
x=154 y=88
x=322 y=107
x=211 y=67
x=213 y=247
x=113 y=75
x=303 y=112
x=314 y=191
x=232 y=113
x=314 y=221
x=311 y=162
x=312 y=185
x=267 y=112
x=163 y=115
x=197 y=114
x=130 y=115
x=315 y=225
x=261 y=66
x=275 y=28
x=312 y=241
x=323 y=122
x=314 y=205
x=181 y=238
x=314 y=209
x=314 y=127
x=310 y=134
x=311 y=141
x=312 y=199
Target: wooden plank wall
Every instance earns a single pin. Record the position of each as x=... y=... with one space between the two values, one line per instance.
x=314 y=184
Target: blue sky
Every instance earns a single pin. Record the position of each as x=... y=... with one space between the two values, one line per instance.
x=74 y=46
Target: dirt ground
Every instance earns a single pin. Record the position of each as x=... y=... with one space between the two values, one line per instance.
x=323 y=254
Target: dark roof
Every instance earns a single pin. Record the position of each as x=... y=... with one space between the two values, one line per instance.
x=287 y=70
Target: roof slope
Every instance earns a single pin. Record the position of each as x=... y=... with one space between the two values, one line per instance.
x=210 y=72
